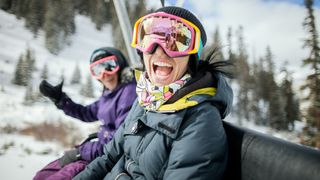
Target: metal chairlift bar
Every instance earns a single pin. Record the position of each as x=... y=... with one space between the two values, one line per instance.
x=126 y=32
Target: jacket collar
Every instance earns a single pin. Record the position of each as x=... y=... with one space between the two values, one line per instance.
x=166 y=123
x=164 y=120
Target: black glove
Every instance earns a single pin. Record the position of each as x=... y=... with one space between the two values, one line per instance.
x=53 y=92
x=69 y=157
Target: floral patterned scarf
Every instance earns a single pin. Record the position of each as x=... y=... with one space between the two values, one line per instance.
x=151 y=97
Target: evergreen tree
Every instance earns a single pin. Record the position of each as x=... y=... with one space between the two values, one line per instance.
x=256 y=102
x=35 y=15
x=5 y=4
x=267 y=74
x=83 y=7
x=312 y=130
x=29 y=65
x=101 y=14
x=260 y=77
x=59 y=24
x=44 y=73
x=24 y=68
x=269 y=61
x=275 y=114
x=53 y=36
x=291 y=106
x=19 y=74
x=76 y=76
x=87 y=88
x=68 y=14
x=273 y=94
x=243 y=77
x=91 y=7
x=19 y=8
x=231 y=55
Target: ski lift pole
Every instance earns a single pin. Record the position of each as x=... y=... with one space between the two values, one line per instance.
x=126 y=31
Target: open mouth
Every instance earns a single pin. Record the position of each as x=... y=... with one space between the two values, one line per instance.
x=162 y=69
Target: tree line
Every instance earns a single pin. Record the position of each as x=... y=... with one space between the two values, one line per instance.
x=259 y=97
x=57 y=18
x=262 y=98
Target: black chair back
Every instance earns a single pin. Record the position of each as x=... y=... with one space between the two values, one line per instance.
x=255 y=156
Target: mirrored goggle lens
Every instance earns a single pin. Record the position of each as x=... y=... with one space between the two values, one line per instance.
x=109 y=65
x=173 y=34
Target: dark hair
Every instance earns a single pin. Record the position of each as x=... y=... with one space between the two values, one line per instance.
x=211 y=64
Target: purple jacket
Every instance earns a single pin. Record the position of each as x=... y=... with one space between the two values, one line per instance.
x=111 y=109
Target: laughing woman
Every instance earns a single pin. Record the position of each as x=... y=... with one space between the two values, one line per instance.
x=174 y=129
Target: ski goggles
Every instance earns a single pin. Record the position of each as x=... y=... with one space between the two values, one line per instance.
x=176 y=36
x=108 y=65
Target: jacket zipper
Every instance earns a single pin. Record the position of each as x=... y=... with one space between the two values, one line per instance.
x=142 y=138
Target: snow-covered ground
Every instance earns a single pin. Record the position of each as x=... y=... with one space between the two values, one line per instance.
x=22 y=156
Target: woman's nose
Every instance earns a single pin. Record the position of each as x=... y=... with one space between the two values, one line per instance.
x=104 y=75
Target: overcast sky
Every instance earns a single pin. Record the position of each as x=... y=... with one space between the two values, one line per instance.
x=277 y=23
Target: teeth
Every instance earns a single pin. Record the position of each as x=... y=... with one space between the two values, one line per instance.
x=162 y=64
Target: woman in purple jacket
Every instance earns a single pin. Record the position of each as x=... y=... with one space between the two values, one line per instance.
x=110 y=67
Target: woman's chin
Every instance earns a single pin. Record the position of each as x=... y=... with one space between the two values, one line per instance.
x=160 y=80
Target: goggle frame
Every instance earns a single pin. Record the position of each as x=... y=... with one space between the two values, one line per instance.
x=105 y=59
x=195 y=33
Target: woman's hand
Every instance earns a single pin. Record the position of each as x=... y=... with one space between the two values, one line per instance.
x=53 y=92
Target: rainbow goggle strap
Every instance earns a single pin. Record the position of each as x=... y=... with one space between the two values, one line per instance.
x=108 y=65
x=177 y=36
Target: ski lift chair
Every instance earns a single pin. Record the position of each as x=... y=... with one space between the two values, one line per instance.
x=255 y=156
